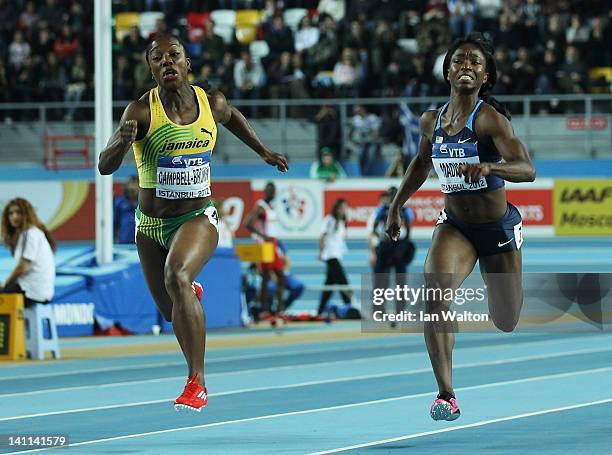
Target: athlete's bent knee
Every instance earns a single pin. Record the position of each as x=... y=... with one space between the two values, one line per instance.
x=506 y=324
x=175 y=279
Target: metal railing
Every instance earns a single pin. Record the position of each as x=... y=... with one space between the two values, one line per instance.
x=39 y=118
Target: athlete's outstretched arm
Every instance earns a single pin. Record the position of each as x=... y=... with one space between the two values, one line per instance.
x=517 y=166
x=122 y=139
x=239 y=126
x=415 y=176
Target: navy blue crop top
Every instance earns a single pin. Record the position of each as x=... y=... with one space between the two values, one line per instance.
x=449 y=152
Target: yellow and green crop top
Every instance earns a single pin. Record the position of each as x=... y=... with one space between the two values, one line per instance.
x=175 y=159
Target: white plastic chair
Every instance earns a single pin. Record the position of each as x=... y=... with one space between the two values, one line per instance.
x=409 y=45
x=489 y=9
x=36 y=343
x=225 y=17
x=259 y=49
x=147 y=23
x=293 y=16
x=226 y=32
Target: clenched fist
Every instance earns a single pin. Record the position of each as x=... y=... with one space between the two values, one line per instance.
x=127 y=132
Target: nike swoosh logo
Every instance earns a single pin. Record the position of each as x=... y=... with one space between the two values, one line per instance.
x=462 y=141
x=505 y=243
x=204 y=130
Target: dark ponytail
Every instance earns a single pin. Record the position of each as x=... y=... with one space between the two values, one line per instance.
x=478 y=40
x=335 y=215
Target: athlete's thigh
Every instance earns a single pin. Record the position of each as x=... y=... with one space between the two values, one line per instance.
x=451 y=257
x=152 y=259
x=192 y=246
x=503 y=275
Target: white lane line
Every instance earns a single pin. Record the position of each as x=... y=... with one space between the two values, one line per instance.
x=250 y=357
x=319 y=364
x=318 y=382
x=351 y=405
x=182 y=362
x=462 y=427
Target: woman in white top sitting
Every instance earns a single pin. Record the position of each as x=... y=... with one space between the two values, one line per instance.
x=32 y=246
x=332 y=246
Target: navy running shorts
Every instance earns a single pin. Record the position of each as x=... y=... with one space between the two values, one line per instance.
x=505 y=234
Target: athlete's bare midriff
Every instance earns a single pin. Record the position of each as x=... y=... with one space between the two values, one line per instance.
x=154 y=206
x=477 y=208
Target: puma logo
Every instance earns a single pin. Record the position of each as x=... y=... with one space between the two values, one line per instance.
x=204 y=130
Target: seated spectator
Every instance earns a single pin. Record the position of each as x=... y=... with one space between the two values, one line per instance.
x=51 y=13
x=347 y=74
x=206 y=76
x=213 y=46
x=547 y=74
x=327 y=168
x=280 y=73
x=504 y=72
x=18 y=50
x=225 y=74
x=531 y=15
x=42 y=43
x=572 y=72
x=507 y=34
x=52 y=79
x=123 y=82
x=523 y=73
x=77 y=83
x=334 y=8
x=461 y=20
x=66 y=45
x=599 y=52
x=356 y=37
x=383 y=44
x=32 y=246
x=577 y=34
x=307 y=35
x=248 y=79
x=555 y=32
x=279 y=37
x=133 y=44
x=323 y=55
x=25 y=86
x=28 y=18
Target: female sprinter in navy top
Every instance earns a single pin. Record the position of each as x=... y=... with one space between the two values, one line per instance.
x=471 y=144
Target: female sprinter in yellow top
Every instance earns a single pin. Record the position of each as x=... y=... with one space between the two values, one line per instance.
x=173 y=130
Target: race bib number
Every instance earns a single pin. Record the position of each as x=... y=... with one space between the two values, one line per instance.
x=447 y=158
x=184 y=176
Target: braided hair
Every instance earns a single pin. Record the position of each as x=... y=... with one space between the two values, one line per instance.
x=486 y=47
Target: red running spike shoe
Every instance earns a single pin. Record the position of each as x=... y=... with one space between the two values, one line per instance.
x=198 y=290
x=193 y=398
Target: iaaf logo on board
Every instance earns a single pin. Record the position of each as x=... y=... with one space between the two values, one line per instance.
x=297 y=208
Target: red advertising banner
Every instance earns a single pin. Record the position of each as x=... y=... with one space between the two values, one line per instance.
x=237 y=202
x=535 y=205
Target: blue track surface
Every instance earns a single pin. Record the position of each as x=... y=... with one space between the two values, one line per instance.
x=515 y=392
x=519 y=393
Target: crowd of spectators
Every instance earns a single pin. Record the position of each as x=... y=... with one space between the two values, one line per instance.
x=341 y=48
